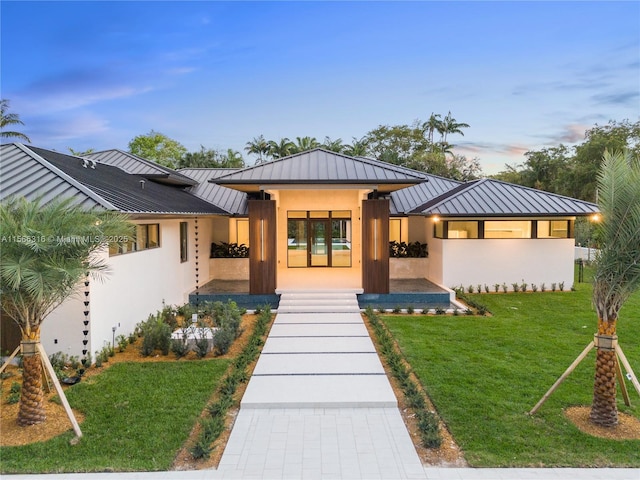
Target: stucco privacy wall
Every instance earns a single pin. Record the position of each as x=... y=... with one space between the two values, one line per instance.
x=137 y=285
x=330 y=278
x=491 y=261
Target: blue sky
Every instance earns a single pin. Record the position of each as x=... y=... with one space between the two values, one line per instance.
x=524 y=75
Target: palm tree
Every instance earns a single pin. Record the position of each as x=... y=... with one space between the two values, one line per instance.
x=617 y=271
x=333 y=145
x=304 y=144
x=282 y=148
x=51 y=248
x=232 y=159
x=434 y=124
x=358 y=148
x=450 y=125
x=258 y=146
x=10 y=119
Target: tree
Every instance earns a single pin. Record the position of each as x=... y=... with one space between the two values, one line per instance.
x=7 y=119
x=282 y=148
x=617 y=269
x=58 y=245
x=333 y=145
x=210 y=158
x=434 y=124
x=358 y=148
x=304 y=144
x=158 y=147
x=258 y=146
x=451 y=125
x=80 y=153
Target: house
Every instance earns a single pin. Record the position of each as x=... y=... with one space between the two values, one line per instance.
x=315 y=220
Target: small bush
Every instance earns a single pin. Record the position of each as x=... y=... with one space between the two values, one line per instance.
x=505 y=288
x=202 y=347
x=524 y=286
x=515 y=287
x=156 y=335
x=478 y=288
x=222 y=340
x=397 y=309
x=410 y=310
x=561 y=286
x=553 y=287
x=486 y=288
x=543 y=287
x=470 y=289
x=179 y=347
x=15 y=387
x=440 y=311
x=496 y=287
x=122 y=342
x=534 y=287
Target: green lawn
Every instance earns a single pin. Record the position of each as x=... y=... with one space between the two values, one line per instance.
x=138 y=415
x=485 y=373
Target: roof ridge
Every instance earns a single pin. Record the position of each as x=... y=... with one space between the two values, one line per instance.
x=444 y=196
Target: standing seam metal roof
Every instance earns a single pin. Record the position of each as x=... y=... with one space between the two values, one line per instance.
x=232 y=201
x=135 y=165
x=488 y=197
x=26 y=174
x=124 y=191
x=322 y=167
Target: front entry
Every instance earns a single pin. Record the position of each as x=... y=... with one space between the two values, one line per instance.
x=375 y=246
x=262 y=254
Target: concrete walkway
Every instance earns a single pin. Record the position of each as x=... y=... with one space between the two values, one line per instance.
x=319 y=406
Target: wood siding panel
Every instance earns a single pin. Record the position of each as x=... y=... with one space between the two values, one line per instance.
x=375 y=246
x=262 y=251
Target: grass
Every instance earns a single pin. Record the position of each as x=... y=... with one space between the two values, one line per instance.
x=485 y=373
x=138 y=415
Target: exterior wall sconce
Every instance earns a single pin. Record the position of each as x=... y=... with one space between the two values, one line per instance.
x=262 y=240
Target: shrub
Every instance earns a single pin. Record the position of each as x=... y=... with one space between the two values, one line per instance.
x=486 y=288
x=505 y=288
x=229 y=250
x=534 y=287
x=156 y=335
x=496 y=287
x=222 y=340
x=479 y=288
x=179 y=347
x=553 y=287
x=470 y=289
x=410 y=310
x=561 y=286
x=524 y=286
x=515 y=287
x=408 y=250
x=440 y=311
x=122 y=342
x=543 y=287
x=202 y=347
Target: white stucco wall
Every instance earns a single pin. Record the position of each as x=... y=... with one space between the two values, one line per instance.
x=472 y=262
x=137 y=285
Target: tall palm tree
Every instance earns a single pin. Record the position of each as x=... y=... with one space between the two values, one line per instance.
x=282 y=148
x=258 y=146
x=434 y=124
x=50 y=248
x=10 y=119
x=450 y=125
x=617 y=271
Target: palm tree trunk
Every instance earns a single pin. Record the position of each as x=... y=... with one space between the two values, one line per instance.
x=31 y=410
x=604 y=410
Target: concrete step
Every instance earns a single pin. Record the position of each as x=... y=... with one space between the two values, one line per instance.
x=319 y=391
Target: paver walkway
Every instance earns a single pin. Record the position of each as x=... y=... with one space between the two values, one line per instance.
x=319 y=404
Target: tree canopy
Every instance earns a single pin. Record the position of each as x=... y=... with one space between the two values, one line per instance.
x=573 y=171
x=158 y=147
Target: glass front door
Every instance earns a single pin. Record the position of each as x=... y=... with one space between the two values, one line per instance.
x=319 y=242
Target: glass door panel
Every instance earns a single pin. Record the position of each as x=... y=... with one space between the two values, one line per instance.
x=319 y=243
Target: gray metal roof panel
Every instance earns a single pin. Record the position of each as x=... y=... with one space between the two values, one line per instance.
x=407 y=199
x=488 y=197
x=136 y=165
x=322 y=167
x=26 y=174
x=232 y=201
x=125 y=191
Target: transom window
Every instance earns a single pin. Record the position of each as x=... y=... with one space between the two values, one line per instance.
x=465 y=229
x=318 y=238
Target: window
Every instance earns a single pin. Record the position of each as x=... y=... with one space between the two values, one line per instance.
x=395 y=230
x=242 y=231
x=507 y=229
x=318 y=238
x=184 y=242
x=146 y=236
x=465 y=229
x=554 y=229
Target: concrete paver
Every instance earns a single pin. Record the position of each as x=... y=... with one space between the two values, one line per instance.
x=319 y=363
